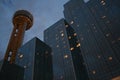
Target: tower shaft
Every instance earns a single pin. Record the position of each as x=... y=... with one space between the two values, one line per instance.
x=15 y=42
x=22 y=21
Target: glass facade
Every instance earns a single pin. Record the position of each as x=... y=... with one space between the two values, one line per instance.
x=97 y=26
x=67 y=59
x=35 y=57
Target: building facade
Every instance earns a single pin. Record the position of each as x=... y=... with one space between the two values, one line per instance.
x=35 y=57
x=97 y=26
x=68 y=63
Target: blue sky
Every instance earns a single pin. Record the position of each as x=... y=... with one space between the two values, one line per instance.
x=45 y=13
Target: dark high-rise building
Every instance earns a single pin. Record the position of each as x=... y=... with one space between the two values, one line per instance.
x=22 y=21
x=97 y=25
x=68 y=63
x=35 y=56
x=11 y=71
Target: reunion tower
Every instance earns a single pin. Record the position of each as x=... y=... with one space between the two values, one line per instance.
x=22 y=21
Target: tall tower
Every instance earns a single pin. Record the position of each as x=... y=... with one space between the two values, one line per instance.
x=22 y=20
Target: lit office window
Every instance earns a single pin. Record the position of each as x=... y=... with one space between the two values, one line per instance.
x=62 y=34
x=9 y=58
x=94 y=72
x=71 y=22
x=10 y=53
x=108 y=34
x=102 y=2
x=25 y=66
x=75 y=34
x=65 y=56
x=110 y=58
x=103 y=17
x=21 y=56
x=66 y=26
x=78 y=45
x=72 y=48
x=69 y=37
x=99 y=56
x=15 y=35
x=57 y=46
x=16 y=30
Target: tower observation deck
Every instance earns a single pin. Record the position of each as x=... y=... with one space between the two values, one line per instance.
x=22 y=21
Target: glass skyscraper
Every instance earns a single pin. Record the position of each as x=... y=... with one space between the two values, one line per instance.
x=97 y=25
x=68 y=63
x=35 y=56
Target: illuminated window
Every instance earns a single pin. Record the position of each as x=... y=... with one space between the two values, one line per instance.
x=71 y=22
x=66 y=26
x=25 y=66
x=103 y=17
x=69 y=37
x=116 y=78
x=10 y=53
x=108 y=34
x=103 y=2
x=99 y=56
x=78 y=45
x=9 y=58
x=57 y=46
x=77 y=25
x=62 y=34
x=94 y=72
x=75 y=34
x=15 y=35
x=110 y=58
x=21 y=56
x=72 y=48
x=16 y=30
x=65 y=56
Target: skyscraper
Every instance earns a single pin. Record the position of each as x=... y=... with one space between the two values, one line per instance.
x=22 y=21
x=35 y=56
x=98 y=33
x=68 y=63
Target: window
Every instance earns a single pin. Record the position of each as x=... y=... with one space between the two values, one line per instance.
x=72 y=48
x=65 y=56
x=78 y=45
x=69 y=37
x=25 y=66
x=103 y=2
x=103 y=17
x=9 y=58
x=75 y=34
x=57 y=46
x=21 y=56
x=94 y=72
x=108 y=34
x=110 y=58
x=16 y=30
x=62 y=34
x=99 y=56
x=71 y=22
x=15 y=35
x=66 y=26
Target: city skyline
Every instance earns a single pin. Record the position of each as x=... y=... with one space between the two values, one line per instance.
x=44 y=15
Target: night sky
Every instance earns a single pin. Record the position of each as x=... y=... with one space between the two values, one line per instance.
x=45 y=13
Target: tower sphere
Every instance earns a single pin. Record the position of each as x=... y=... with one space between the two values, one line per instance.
x=23 y=17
